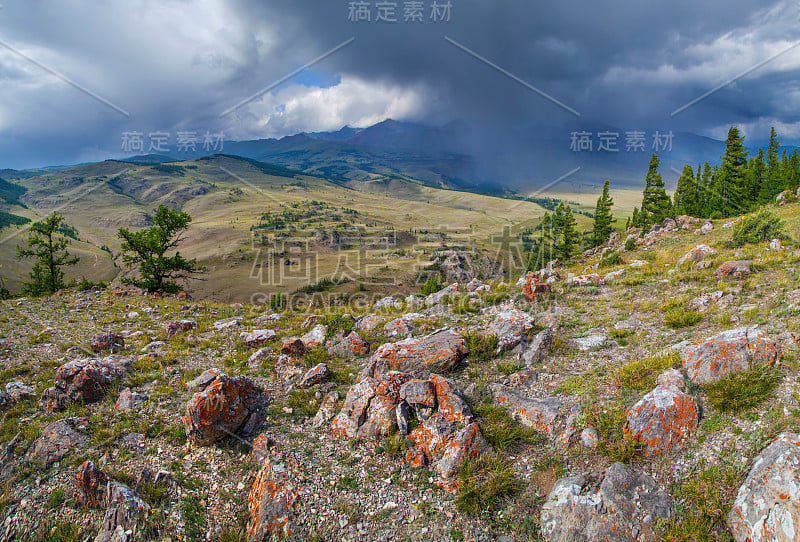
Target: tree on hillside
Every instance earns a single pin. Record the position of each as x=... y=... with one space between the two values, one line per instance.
x=147 y=248
x=656 y=205
x=544 y=247
x=773 y=179
x=51 y=255
x=603 y=219
x=565 y=236
x=731 y=181
x=755 y=176
x=685 y=200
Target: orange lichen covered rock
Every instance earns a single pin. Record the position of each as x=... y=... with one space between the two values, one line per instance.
x=293 y=346
x=273 y=500
x=438 y=352
x=370 y=407
x=728 y=353
x=91 y=483
x=543 y=415
x=257 y=337
x=84 y=380
x=662 y=419
x=510 y=327
x=736 y=269
x=349 y=345
x=767 y=506
x=224 y=408
x=180 y=326
x=532 y=286
x=465 y=446
x=111 y=342
x=314 y=376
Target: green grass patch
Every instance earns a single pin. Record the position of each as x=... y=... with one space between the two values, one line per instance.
x=500 y=429
x=481 y=348
x=744 y=391
x=641 y=375
x=509 y=367
x=608 y=421
x=680 y=318
x=482 y=483
x=193 y=515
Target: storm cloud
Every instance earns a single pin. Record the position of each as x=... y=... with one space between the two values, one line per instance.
x=180 y=65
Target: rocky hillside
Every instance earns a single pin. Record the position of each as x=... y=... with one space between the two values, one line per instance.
x=648 y=392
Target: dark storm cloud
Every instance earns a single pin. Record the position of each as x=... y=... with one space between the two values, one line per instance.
x=178 y=65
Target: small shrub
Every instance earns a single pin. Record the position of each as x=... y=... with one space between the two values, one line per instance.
x=509 y=367
x=680 y=318
x=630 y=245
x=302 y=402
x=193 y=516
x=433 y=285
x=483 y=483
x=609 y=421
x=641 y=375
x=56 y=498
x=500 y=429
x=743 y=391
x=757 y=228
x=481 y=347
x=394 y=445
x=611 y=259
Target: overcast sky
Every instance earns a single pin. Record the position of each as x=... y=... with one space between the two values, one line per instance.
x=180 y=65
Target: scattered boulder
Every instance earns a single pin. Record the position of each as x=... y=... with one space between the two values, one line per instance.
x=403 y=326
x=180 y=326
x=662 y=419
x=614 y=275
x=535 y=352
x=775 y=244
x=203 y=380
x=438 y=297
x=438 y=352
x=130 y=401
x=18 y=391
x=617 y=504
x=57 y=439
x=369 y=322
x=85 y=380
x=108 y=342
x=729 y=352
x=257 y=357
x=532 y=286
x=584 y=280
x=702 y=302
x=327 y=409
x=510 y=327
x=632 y=323
x=543 y=415
x=227 y=323
x=734 y=268
x=589 y=438
x=387 y=303
x=266 y=319
x=369 y=407
x=227 y=406
x=293 y=346
x=708 y=227
x=315 y=337
x=273 y=500
x=589 y=342
x=348 y=345
x=91 y=483
x=289 y=367
x=314 y=376
x=696 y=254
x=767 y=506
x=125 y=510
x=257 y=337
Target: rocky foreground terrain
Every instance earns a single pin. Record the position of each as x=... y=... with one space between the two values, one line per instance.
x=650 y=391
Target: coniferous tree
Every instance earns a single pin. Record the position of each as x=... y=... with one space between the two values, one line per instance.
x=544 y=251
x=731 y=180
x=566 y=236
x=51 y=255
x=706 y=197
x=656 y=205
x=146 y=248
x=773 y=181
x=755 y=178
x=603 y=219
x=685 y=198
x=635 y=218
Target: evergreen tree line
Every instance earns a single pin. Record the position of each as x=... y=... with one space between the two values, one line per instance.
x=737 y=185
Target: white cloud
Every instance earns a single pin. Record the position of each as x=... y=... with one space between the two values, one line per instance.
x=353 y=101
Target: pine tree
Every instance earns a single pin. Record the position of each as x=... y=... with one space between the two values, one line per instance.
x=603 y=219
x=706 y=196
x=656 y=205
x=772 y=182
x=635 y=218
x=731 y=182
x=544 y=251
x=567 y=236
x=51 y=255
x=685 y=198
x=755 y=177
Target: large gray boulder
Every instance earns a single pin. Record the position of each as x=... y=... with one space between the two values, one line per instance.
x=727 y=353
x=767 y=506
x=438 y=352
x=615 y=505
x=510 y=327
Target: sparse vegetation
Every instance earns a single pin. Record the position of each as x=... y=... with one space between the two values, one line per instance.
x=743 y=391
x=483 y=483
